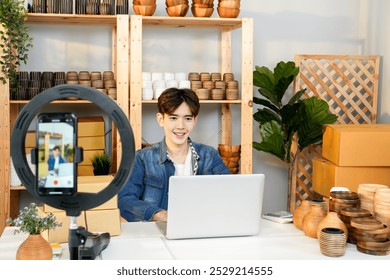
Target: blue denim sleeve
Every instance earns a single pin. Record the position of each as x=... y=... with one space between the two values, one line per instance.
x=131 y=206
x=219 y=165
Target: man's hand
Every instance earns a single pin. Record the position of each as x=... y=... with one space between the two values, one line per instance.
x=160 y=216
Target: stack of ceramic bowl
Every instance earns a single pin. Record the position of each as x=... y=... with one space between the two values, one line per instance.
x=367 y=194
x=343 y=199
x=382 y=206
x=232 y=90
x=371 y=235
x=230 y=156
x=144 y=7
x=177 y=8
x=228 y=8
x=333 y=242
x=349 y=213
x=202 y=8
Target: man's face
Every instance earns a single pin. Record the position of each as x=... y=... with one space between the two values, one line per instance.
x=177 y=126
x=56 y=152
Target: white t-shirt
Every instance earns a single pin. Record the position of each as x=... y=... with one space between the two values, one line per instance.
x=186 y=168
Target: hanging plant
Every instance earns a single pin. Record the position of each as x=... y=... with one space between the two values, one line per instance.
x=15 y=41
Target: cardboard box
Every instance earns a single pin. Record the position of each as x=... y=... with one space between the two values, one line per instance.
x=91 y=184
x=327 y=175
x=91 y=142
x=61 y=234
x=90 y=126
x=85 y=170
x=357 y=145
x=104 y=221
x=88 y=155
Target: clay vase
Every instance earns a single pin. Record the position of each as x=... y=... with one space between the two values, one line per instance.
x=312 y=219
x=332 y=220
x=302 y=210
x=35 y=247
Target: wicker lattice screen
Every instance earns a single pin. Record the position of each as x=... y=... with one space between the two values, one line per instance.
x=350 y=86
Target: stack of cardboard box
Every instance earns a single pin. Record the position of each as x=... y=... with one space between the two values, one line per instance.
x=91 y=136
x=352 y=155
x=103 y=218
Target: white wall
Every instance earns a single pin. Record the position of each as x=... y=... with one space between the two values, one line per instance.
x=282 y=28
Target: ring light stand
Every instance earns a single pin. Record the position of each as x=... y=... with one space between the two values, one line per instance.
x=74 y=204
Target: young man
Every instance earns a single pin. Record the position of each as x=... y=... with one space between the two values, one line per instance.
x=145 y=195
x=55 y=160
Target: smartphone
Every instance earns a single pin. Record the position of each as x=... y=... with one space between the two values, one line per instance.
x=56 y=169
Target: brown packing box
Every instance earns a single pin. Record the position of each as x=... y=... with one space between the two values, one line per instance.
x=327 y=175
x=357 y=145
x=85 y=170
x=91 y=184
x=90 y=126
x=61 y=234
x=88 y=155
x=91 y=142
x=104 y=221
x=95 y=221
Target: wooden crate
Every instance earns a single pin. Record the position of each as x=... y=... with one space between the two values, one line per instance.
x=349 y=84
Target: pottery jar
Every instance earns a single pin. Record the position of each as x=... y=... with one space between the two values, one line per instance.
x=302 y=210
x=312 y=219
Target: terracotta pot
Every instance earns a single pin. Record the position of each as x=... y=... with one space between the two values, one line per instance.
x=35 y=247
x=332 y=220
x=302 y=210
x=312 y=219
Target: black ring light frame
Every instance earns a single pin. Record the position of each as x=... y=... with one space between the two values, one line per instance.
x=74 y=204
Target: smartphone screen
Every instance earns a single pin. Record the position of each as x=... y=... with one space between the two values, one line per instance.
x=56 y=142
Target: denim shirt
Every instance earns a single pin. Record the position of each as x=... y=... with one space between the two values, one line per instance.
x=146 y=191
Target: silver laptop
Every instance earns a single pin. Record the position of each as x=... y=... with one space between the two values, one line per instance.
x=214 y=206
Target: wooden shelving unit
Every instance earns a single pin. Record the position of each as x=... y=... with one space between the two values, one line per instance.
x=225 y=28
x=127 y=44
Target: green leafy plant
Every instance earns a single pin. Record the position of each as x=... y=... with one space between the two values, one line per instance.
x=280 y=122
x=29 y=221
x=101 y=164
x=15 y=41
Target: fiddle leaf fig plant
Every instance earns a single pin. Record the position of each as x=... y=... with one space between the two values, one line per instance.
x=15 y=42
x=281 y=122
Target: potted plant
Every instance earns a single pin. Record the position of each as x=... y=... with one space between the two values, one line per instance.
x=287 y=127
x=101 y=164
x=15 y=42
x=31 y=222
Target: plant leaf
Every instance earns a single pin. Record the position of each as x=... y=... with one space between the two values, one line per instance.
x=264 y=80
x=265 y=115
x=315 y=113
x=266 y=103
x=272 y=140
x=297 y=96
x=284 y=70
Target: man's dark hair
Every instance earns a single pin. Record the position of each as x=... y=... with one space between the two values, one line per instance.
x=172 y=98
x=56 y=148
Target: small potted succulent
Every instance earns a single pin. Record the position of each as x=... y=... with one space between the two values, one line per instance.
x=31 y=222
x=101 y=164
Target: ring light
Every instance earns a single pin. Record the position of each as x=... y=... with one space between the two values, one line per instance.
x=73 y=205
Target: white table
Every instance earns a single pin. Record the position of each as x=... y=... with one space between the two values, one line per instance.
x=143 y=241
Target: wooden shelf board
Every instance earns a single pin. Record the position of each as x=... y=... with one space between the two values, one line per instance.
x=201 y=101
x=53 y=102
x=155 y=21
x=71 y=19
x=196 y=22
